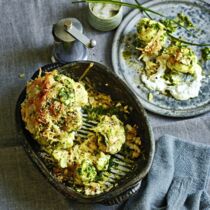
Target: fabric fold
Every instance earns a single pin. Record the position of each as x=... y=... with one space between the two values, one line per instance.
x=178 y=178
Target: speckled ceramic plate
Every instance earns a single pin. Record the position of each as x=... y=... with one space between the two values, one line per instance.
x=199 y=13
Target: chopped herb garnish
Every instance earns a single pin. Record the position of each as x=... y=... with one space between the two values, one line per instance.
x=205 y=52
x=170 y=25
x=150 y=97
x=95 y=112
x=65 y=96
x=21 y=75
x=127 y=54
x=57 y=77
x=184 y=20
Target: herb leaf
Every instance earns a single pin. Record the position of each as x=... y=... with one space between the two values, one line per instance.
x=205 y=52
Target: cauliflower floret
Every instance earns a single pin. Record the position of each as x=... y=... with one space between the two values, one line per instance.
x=110 y=133
x=85 y=172
x=81 y=95
x=62 y=157
x=52 y=108
x=102 y=161
x=181 y=59
x=152 y=35
x=72 y=120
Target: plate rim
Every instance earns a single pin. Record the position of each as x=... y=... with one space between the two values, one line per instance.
x=191 y=112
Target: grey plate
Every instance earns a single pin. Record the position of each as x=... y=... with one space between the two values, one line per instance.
x=199 y=13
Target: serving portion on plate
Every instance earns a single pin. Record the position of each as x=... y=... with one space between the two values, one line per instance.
x=169 y=76
x=86 y=131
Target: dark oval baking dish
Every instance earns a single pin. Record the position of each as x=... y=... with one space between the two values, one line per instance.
x=105 y=81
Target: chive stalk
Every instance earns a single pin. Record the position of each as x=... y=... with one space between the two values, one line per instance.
x=146 y=11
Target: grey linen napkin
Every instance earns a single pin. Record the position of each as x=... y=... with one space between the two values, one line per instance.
x=178 y=178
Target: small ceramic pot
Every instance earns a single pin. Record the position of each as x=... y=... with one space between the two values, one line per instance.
x=104 y=24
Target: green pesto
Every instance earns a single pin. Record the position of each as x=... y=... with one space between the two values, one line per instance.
x=127 y=54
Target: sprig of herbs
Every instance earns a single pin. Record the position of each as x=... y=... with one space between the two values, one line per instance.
x=147 y=11
x=186 y=42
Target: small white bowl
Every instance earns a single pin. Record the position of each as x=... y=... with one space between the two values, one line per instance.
x=104 y=24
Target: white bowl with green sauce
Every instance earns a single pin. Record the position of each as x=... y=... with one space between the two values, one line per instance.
x=104 y=17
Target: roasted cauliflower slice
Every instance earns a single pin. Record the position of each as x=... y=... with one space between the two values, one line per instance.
x=152 y=35
x=52 y=108
x=181 y=59
x=111 y=134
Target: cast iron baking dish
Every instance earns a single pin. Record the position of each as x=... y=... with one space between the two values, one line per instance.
x=104 y=80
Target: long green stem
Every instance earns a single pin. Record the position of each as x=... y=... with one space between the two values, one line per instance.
x=186 y=42
x=178 y=24
x=145 y=10
x=86 y=71
x=134 y=6
x=146 y=13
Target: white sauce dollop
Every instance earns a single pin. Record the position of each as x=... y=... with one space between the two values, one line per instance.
x=156 y=81
x=187 y=90
x=182 y=91
x=104 y=11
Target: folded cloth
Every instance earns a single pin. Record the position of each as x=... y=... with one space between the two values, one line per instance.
x=177 y=180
